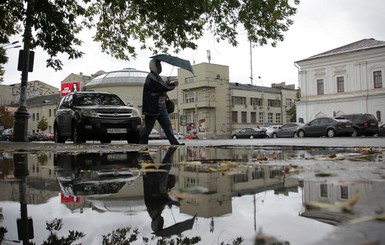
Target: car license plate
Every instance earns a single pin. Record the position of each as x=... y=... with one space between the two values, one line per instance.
x=116 y=157
x=116 y=130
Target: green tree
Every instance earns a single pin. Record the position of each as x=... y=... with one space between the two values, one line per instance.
x=159 y=26
x=42 y=124
x=293 y=110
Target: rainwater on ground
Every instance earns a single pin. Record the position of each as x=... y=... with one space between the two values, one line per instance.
x=234 y=195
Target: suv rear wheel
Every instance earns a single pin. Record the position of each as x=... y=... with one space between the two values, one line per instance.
x=355 y=132
x=77 y=136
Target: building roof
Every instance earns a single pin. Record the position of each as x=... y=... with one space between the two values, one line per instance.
x=125 y=76
x=249 y=87
x=129 y=76
x=44 y=99
x=363 y=44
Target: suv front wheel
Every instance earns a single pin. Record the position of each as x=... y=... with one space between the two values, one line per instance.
x=133 y=138
x=57 y=137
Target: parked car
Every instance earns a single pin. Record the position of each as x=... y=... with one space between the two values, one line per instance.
x=275 y=127
x=288 y=130
x=90 y=115
x=191 y=136
x=250 y=133
x=7 y=134
x=363 y=124
x=154 y=135
x=326 y=126
x=269 y=131
x=381 y=130
x=179 y=136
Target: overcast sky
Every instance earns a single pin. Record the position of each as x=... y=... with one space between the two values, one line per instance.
x=320 y=25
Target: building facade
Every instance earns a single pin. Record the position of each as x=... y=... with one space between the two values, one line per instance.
x=211 y=107
x=348 y=79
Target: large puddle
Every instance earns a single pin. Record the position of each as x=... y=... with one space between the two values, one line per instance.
x=214 y=193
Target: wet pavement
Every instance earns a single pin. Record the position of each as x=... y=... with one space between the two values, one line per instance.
x=322 y=191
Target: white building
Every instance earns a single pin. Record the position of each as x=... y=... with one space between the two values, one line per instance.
x=348 y=79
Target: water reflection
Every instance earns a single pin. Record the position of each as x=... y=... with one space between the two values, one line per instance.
x=229 y=192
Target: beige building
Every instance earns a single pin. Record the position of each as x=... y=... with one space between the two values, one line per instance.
x=210 y=105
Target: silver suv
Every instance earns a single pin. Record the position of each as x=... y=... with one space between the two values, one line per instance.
x=103 y=116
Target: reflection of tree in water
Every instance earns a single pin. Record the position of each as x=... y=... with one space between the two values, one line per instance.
x=42 y=159
x=120 y=236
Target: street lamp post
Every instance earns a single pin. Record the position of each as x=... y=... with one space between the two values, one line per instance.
x=22 y=115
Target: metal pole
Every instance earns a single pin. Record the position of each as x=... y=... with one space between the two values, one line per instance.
x=22 y=115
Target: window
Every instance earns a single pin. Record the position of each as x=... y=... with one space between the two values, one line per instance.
x=253 y=117
x=324 y=190
x=320 y=86
x=234 y=116
x=270 y=117
x=377 y=79
x=50 y=113
x=378 y=115
x=239 y=100
x=344 y=192
x=256 y=101
x=340 y=85
x=37 y=117
x=33 y=116
x=190 y=97
x=274 y=103
x=244 y=117
x=190 y=80
x=278 y=117
x=261 y=117
x=289 y=102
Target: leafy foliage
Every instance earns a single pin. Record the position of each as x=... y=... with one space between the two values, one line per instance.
x=53 y=238
x=42 y=124
x=159 y=26
x=293 y=110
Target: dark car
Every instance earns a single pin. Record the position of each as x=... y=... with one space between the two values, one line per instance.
x=89 y=115
x=326 y=126
x=288 y=130
x=363 y=124
x=250 y=133
x=381 y=130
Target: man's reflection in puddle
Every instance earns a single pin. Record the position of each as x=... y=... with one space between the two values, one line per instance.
x=156 y=186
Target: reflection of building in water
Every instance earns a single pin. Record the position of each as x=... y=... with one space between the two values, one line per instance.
x=222 y=187
x=333 y=192
x=216 y=202
x=42 y=184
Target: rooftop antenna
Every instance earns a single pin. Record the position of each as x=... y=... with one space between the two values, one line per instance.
x=209 y=55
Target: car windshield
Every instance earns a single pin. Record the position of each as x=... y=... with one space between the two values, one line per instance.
x=98 y=99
